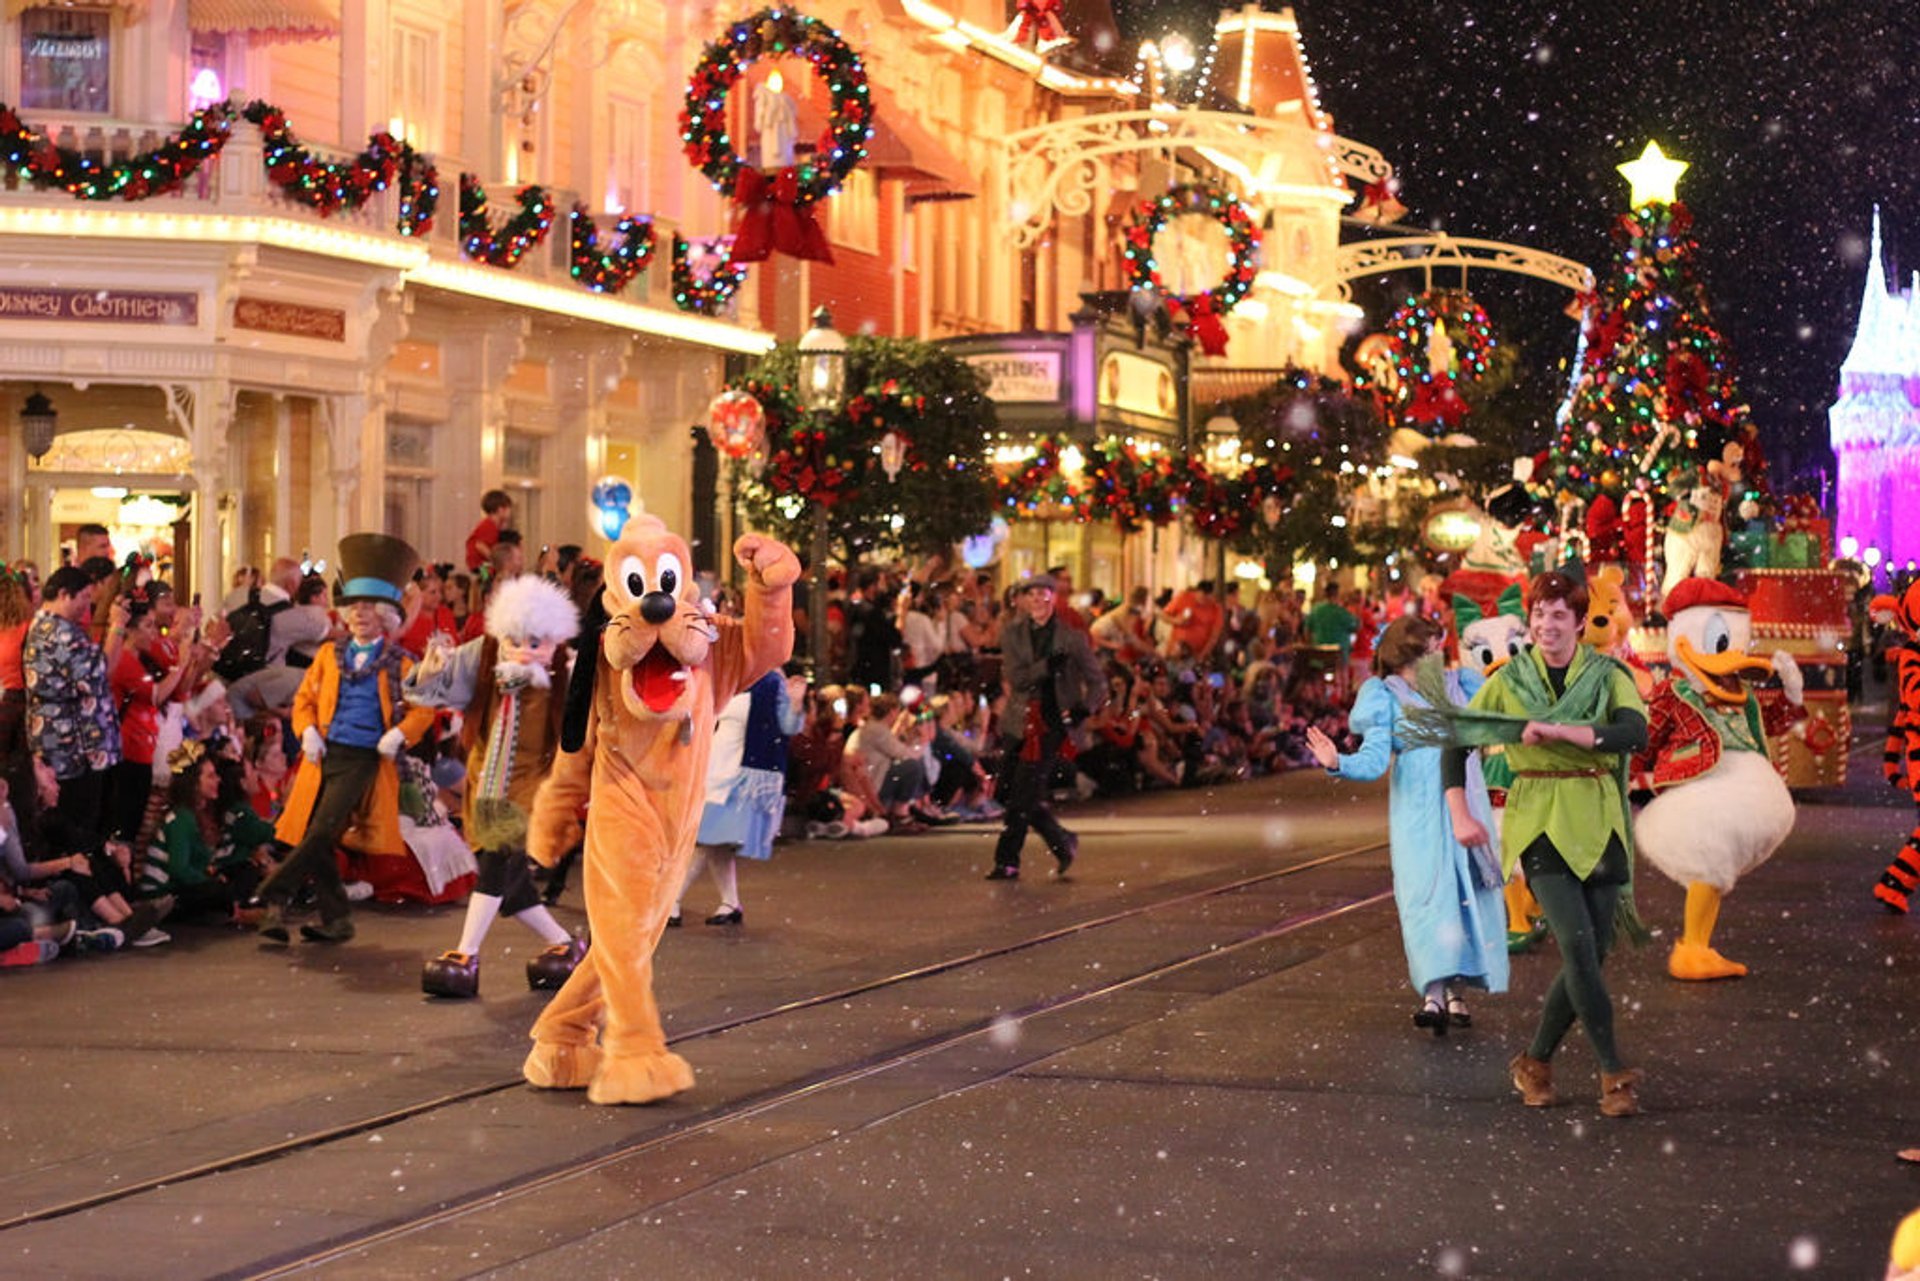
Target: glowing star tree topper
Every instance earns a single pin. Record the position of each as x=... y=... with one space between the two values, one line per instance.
x=1653 y=177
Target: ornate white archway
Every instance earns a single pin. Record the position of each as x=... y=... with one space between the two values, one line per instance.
x=1055 y=170
x=1440 y=251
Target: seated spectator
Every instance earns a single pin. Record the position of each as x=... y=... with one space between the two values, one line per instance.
x=890 y=747
x=54 y=851
x=1124 y=633
x=814 y=764
x=964 y=787
x=213 y=848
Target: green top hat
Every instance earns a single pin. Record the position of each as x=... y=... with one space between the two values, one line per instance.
x=374 y=567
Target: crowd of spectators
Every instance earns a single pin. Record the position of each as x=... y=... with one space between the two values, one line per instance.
x=145 y=742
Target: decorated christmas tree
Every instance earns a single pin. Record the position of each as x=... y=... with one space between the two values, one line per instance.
x=1653 y=401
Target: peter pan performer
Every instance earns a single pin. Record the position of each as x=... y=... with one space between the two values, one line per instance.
x=351 y=722
x=1571 y=718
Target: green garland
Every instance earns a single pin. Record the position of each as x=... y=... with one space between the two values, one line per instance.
x=610 y=272
x=507 y=245
x=39 y=162
x=707 y=297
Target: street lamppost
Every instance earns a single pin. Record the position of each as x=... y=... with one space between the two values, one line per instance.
x=1223 y=459
x=38 y=420
x=823 y=391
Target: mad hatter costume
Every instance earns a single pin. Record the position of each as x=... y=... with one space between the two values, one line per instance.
x=351 y=723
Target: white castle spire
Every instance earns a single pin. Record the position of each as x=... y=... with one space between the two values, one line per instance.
x=1874 y=425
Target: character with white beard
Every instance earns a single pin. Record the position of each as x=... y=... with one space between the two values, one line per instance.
x=509 y=683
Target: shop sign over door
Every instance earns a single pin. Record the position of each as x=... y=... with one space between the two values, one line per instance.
x=40 y=305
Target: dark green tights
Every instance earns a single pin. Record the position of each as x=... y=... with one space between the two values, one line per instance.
x=1580 y=913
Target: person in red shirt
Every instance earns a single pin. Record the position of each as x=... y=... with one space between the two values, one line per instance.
x=1063 y=604
x=433 y=614
x=140 y=686
x=497 y=507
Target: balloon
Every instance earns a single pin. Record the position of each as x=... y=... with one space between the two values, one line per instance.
x=612 y=497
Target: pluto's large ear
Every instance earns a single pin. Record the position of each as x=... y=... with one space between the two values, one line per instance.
x=586 y=663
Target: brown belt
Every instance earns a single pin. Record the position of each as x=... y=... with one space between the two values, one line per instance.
x=1563 y=773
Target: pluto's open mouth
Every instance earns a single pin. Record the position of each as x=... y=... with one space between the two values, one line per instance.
x=659 y=679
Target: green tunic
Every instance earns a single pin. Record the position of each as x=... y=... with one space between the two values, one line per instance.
x=1576 y=813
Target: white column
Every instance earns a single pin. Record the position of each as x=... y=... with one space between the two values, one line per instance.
x=583 y=372
x=205 y=412
x=356 y=427
x=476 y=358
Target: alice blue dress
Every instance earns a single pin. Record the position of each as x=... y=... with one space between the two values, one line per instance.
x=1454 y=927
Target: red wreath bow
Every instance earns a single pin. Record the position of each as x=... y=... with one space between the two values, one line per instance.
x=1203 y=321
x=1039 y=21
x=1437 y=401
x=773 y=218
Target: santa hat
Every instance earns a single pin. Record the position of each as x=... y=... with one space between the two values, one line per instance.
x=1701 y=591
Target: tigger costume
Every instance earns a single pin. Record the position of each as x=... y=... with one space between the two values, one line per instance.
x=1903 y=740
x=639 y=725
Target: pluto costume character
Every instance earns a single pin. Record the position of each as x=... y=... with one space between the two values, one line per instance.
x=1720 y=809
x=639 y=727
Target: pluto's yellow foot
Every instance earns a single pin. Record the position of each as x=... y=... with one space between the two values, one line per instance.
x=554 y=1066
x=1696 y=962
x=642 y=1078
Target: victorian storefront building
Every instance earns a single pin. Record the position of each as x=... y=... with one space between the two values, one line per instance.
x=235 y=372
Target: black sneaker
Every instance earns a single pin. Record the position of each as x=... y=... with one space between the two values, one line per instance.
x=273 y=924
x=1064 y=856
x=1004 y=872
x=328 y=931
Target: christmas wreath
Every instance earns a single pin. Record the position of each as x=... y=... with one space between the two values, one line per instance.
x=706 y=297
x=804 y=460
x=506 y=246
x=1430 y=396
x=776 y=209
x=604 y=271
x=38 y=160
x=1202 y=311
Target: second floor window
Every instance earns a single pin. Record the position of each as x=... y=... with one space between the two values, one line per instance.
x=413 y=92
x=66 y=60
x=626 y=154
x=853 y=213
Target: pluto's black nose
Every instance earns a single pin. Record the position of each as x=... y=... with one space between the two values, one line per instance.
x=657 y=607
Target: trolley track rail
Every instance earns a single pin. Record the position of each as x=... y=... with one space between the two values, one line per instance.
x=269 y=1152
x=745 y=1109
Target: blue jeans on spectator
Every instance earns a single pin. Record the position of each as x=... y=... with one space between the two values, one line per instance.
x=905 y=783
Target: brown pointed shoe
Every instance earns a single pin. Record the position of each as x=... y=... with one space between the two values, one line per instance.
x=1534 y=1079
x=1617 y=1096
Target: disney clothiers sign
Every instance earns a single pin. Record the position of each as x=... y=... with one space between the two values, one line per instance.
x=98 y=306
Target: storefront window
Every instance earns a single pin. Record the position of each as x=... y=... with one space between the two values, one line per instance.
x=65 y=60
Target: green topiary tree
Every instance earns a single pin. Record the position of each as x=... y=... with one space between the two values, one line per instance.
x=944 y=489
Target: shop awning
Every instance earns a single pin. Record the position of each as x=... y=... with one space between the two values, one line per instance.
x=136 y=9
x=265 y=21
x=904 y=149
x=901 y=149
